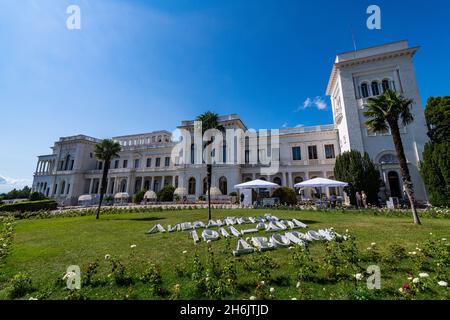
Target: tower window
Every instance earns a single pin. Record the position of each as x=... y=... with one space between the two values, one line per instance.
x=375 y=88
x=364 y=90
x=385 y=84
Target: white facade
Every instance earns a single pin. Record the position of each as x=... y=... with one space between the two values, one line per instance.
x=145 y=161
x=355 y=77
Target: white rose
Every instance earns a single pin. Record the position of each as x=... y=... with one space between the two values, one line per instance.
x=416 y=280
x=373 y=243
x=298 y=284
x=442 y=283
x=358 y=276
x=423 y=275
x=252 y=298
x=133 y=246
x=272 y=290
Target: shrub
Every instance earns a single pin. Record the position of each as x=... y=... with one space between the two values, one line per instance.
x=36 y=196
x=166 y=194
x=152 y=277
x=286 y=195
x=138 y=197
x=20 y=285
x=30 y=206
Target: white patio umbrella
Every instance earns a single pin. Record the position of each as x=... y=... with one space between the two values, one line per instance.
x=150 y=195
x=257 y=184
x=320 y=182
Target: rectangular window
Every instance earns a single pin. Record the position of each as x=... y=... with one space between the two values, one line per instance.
x=167 y=161
x=296 y=153
x=100 y=165
x=136 y=163
x=224 y=154
x=329 y=151
x=247 y=156
x=116 y=164
x=71 y=164
x=157 y=162
x=125 y=163
x=149 y=162
x=312 y=152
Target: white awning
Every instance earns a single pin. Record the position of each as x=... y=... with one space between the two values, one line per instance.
x=257 y=184
x=320 y=182
x=150 y=195
x=85 y=197
x=121 y=195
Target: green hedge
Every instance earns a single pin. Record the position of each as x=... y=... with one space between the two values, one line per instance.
x=29 y=206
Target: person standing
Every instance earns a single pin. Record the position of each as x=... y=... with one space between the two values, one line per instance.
x=358 y=200
x=364 y=199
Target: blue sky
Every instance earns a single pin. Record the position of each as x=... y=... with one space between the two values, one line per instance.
x=138 y=66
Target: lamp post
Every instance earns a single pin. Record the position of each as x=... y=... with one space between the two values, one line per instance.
x=209 y=173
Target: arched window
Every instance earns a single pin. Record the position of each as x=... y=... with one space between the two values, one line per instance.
x=375 y=88
x=205 y=185
x=277 y=180
x=388 y=158
x=192 y=154
x=248 y=179
x=263 y=179
x=298 y=180
x=385 y=84
x=364 y=90
x=191 y=186
x=223 y=185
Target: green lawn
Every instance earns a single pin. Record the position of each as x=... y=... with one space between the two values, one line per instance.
x=45 y=248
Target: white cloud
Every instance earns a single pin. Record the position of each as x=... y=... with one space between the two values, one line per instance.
x=7 y=184
x=284 y=125
x=299 y=125
x=317 y=102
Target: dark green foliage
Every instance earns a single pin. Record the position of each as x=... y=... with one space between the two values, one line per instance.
x=286 y=195
x=16 y=194
x=166 y=194
x=36 y=196
x=360 y=173
x=29 y=206
x=435 y=168
x=138 y=197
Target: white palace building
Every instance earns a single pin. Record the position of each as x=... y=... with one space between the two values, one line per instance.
x=145 y=162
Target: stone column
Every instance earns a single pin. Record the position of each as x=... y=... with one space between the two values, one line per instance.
x=173 y=181
x=290 y=182
x=152 y=183
x=142 y=183
x=253 y=176
x=283 y=179
x=91 y=184
x=37 y=167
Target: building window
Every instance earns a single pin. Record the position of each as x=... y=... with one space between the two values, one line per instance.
x=100 y=165
x=223 y=186
x=247 y=156
x=149 y=162
x=375 y=88
x=364 y=90
x=329 y=151
x=312 y=152
x=191 y=186
x=125 y=163
x=157 y=162
x=277 y=180
x=385 y=85
x=224 y=154
x=63 y=186
x=71 y=164
x=167 y=161
x=136 y=163
x=192 y=153
x=296 y=153
x=116 y=164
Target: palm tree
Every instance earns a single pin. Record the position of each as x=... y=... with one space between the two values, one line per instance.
x=105 y=151
x=210 y=120
x=383 y=113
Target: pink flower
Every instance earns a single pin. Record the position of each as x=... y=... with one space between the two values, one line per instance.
x=406 y=286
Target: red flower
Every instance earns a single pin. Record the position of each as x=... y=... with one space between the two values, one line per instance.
x=406 y=286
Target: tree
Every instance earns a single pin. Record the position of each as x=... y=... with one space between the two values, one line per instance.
x=360 y=173
x=435 y=167
x=166 y=194
x=105 y=151
x=210 y=120
x=286 y=195
x=385 y=112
